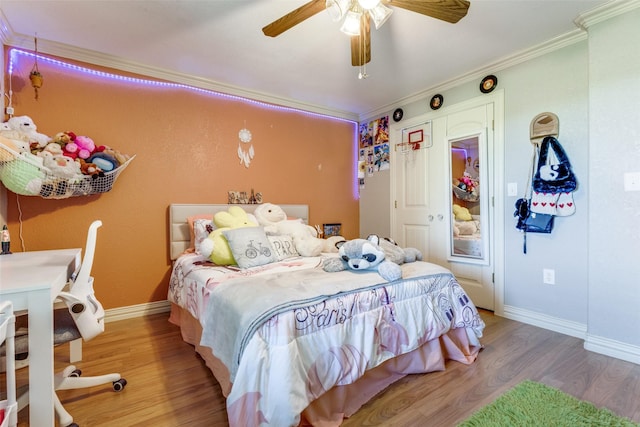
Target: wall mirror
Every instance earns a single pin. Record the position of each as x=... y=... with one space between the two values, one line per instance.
x=469 y=203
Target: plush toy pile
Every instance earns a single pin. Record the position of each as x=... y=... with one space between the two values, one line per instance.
x=305 y=238
x=273 y=224
x=67 y=156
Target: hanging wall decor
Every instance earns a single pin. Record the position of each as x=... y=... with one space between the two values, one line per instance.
x=436 y=102
x=245 y=154
x=488 y=84
x=35 y=76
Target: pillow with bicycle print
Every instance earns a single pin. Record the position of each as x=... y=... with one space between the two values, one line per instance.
x=250 y=246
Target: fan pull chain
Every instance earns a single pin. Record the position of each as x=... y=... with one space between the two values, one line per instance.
x=363 y=66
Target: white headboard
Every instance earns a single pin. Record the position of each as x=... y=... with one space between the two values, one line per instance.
x=180 y=236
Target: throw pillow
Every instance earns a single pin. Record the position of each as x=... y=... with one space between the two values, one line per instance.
x=283 y=246
x=249 y=246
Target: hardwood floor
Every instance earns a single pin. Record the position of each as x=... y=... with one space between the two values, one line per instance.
x=169 y=385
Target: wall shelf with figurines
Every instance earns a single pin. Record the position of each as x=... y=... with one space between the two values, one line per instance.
x=67 y=165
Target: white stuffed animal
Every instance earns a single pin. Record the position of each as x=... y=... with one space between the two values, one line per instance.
x=305 y=238
x=61 y=166
x=22 y=128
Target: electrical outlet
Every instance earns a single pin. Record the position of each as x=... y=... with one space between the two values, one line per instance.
x=549 y=276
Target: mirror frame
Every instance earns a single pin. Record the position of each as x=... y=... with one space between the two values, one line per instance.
x=483 y=177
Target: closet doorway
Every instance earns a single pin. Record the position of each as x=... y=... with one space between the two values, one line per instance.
x=444 y=177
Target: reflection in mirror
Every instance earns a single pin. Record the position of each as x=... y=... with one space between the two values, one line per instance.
x=466 y=199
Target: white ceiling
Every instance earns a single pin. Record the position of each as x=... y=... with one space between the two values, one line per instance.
x=221 y=41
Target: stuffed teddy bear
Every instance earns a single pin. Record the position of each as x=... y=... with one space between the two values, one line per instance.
x=22 y=128
x=363 y=254
x=215 y=246
x=52 y=148
x=305 y=238
x=90 y=169
x=395 y=253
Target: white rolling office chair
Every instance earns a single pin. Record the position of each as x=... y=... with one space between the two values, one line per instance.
x=83 y=317
x=9 y=406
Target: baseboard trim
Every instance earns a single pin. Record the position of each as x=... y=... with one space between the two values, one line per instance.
x=596 y=344
x=138 y=310
x=566 y=327
x=613 y=348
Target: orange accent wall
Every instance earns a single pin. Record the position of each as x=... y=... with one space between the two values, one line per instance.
x=186 y=152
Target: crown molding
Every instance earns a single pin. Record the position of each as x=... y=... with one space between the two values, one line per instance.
x=605 y=12
x=583 y=22
x=12 y=39
x=525 y=55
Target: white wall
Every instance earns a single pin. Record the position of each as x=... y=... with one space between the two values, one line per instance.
x=556 y=82
x=593 y=85
x=614 y=147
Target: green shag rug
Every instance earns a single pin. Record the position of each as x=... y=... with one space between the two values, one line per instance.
x=534 y=404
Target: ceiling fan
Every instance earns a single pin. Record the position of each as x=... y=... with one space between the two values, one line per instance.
x=357 y=15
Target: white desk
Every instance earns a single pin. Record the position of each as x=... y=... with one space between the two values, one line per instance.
x=32 y=280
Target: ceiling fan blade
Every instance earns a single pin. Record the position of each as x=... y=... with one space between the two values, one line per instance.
x=446 y=10
x=361 y=45
x=294 y=17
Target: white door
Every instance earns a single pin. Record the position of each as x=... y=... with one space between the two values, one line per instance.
x=421 y=189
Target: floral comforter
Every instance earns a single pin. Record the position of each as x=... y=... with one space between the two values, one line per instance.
x=288 y=332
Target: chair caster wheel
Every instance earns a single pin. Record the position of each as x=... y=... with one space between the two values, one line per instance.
x=119 y=385
x=76 y=373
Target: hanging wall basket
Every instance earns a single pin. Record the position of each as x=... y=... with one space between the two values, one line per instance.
x=24 y=175
x=464 y=195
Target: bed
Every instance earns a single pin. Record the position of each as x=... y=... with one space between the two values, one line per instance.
x=468 y=239
x=293 y=345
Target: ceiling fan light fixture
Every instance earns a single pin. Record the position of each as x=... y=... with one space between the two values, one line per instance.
x=337 y=9
x=351 y=24
x=369 y=4
x=380 y=14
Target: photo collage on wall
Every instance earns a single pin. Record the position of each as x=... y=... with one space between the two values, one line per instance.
x=373 y=150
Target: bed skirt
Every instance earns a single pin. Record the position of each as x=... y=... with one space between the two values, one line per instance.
x=343 y=401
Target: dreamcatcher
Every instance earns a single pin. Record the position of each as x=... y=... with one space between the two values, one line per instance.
x=245 y=154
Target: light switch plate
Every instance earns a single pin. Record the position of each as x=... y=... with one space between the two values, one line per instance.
x=632 y=181
x=512 y=189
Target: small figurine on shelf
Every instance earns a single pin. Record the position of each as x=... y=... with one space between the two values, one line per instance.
x=6 y=241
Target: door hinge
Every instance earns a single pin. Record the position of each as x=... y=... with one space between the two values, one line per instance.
x=493 y=277
x=395 y=203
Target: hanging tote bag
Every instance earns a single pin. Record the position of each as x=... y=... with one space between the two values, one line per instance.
x=554 y=174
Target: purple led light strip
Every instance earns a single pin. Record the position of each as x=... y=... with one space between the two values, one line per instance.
x=13 y=58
